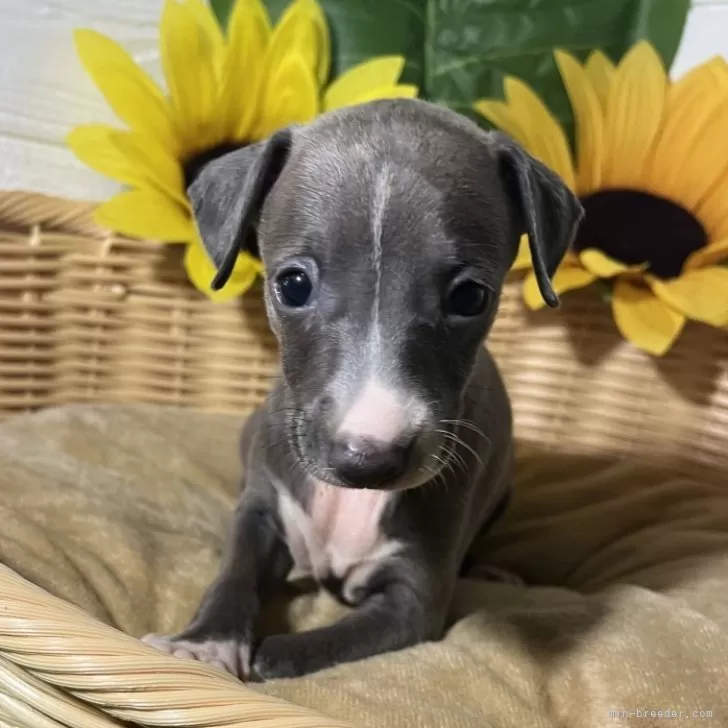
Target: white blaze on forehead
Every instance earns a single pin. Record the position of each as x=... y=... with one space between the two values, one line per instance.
x=379 y=410
x=381 y=413
x=382 y=192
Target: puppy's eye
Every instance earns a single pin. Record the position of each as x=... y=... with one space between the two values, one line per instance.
x=467 y=299
x=294 y=287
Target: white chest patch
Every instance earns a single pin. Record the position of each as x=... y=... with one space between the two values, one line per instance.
x=340 y=534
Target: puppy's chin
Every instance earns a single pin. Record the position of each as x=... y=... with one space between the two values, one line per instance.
x=414 y=479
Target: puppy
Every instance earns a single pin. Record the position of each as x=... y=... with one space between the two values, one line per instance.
x=386 y=231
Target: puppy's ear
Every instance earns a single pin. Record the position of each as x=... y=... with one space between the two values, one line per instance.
x=547 y=211
x=228 y=194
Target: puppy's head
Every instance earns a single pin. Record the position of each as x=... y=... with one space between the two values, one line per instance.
x=386 y=231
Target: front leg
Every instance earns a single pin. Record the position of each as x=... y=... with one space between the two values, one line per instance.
x=256 y=557
x=401 y=608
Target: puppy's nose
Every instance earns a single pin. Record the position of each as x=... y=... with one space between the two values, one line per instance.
x=364 y=463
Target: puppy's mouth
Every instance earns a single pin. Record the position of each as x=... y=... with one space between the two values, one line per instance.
x=300 y=436
x=434 y=455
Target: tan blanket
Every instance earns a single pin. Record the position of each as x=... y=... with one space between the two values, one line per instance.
x=123 y=511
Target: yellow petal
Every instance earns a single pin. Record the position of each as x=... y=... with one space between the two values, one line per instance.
x=158 y=168
x=93 y=146
x=709 y=255
x=132 y=95
x=324 y=42
x=146 y=214
x=243 y=67
x=523 y=257
x=708 y=171
x=201 y=272
x=400 y=91
x=589 y=122
x=688 y=106
x=291 y=97
x=643 y=319
x=501 y=115
x=207 y=21
x=130 y=158
x=705 y=171
x=714 y=72
x=684 y=165
x=361 y=80
x=713 y=210
x=189 y=67
x=601 y=265
x=600 y=71
x=546 y=138
x=296 y=33
x=566 y=278
x=634 y=114
x=701 y=295
x=719 y=68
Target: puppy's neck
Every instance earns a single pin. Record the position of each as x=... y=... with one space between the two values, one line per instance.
x=338 y=534
x=346 y=517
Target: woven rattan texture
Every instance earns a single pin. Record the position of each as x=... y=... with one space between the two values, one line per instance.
x=59 y=667
x=86 y=317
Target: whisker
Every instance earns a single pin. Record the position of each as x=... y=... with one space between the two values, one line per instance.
x=446 y=464
x=459 y=441
x=468 y=425
x=451 y=455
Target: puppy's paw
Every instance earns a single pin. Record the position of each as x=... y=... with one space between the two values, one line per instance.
x=225 y=654
x=272 y=660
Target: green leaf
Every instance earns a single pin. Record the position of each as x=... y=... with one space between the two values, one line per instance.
x=458 y=51
x=664 y=31
x=222 y=9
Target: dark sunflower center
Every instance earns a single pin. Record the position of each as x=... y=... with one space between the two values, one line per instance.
x=636 y=227
x=194 y=165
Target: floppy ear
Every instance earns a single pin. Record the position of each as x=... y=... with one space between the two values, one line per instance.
x=228 y=194
x=548 y=212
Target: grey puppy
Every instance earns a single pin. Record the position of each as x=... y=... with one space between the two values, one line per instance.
x=386 y=230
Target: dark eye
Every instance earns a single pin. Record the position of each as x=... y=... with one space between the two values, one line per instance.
x=294 y=287
x=467 y=299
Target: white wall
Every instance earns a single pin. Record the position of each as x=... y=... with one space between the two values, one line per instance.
x=705 y=35
x=44 y=92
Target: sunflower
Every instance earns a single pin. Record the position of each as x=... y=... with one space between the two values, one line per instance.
x=224 y=90
x=651 y=169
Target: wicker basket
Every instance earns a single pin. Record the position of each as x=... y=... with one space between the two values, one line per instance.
x=87 y=317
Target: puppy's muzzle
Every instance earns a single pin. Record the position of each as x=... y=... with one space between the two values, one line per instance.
x=368 y=463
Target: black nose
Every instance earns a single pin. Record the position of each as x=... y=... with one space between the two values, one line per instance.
x=367 y=463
